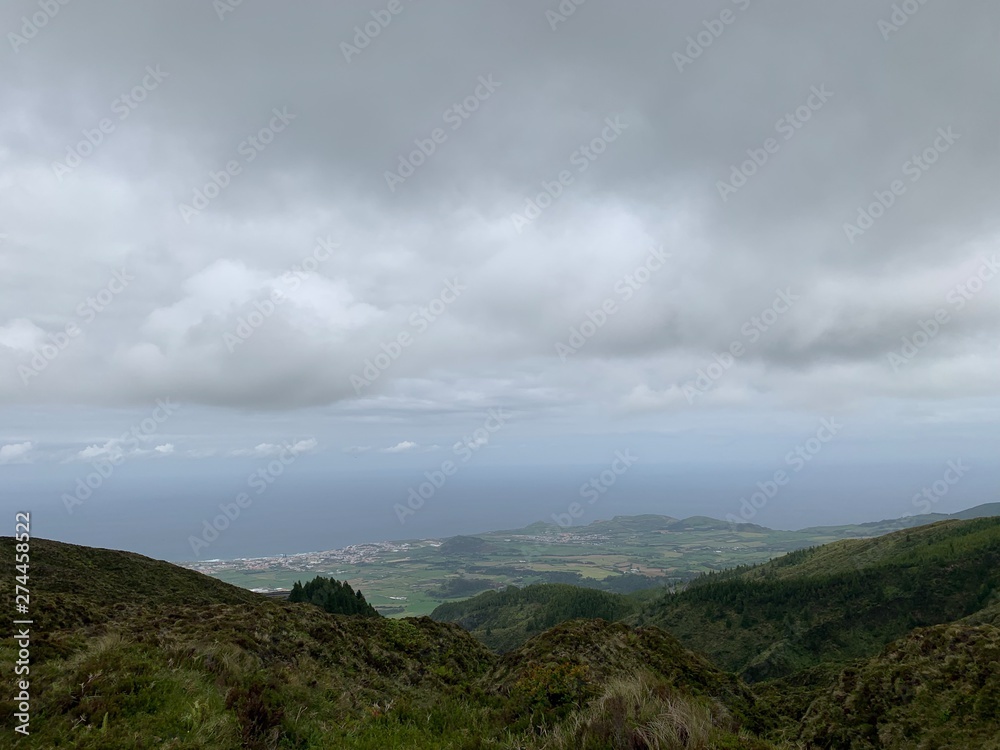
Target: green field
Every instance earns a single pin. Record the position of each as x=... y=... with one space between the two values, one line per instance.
x=623 y=554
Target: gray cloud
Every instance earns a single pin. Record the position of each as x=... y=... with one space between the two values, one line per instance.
x=657 y=183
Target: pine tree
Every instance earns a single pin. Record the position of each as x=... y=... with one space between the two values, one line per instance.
x=330 y=595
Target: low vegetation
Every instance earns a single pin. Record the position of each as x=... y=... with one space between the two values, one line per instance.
x=835 y=603
x=865 y=645
x=504 y=620
x=937 y=687
x=147 y=655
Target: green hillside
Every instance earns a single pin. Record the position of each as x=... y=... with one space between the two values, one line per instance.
x=842 y=601
x=934 y=542
x=571 y=663
x=504 y=620
x=936 y=688
x=867 y=644
x=84 y=585
x=129 y=652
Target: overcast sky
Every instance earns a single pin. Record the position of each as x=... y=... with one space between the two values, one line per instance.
x=357 y=227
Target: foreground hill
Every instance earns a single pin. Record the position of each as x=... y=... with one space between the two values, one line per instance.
x=134 y=653
x=598 y=652
x=84 y=585
x=937 y=687
x=129 y=652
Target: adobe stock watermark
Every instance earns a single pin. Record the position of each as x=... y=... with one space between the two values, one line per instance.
x=625 y=288
x=927 y=330
x=420 y=320
x=592 y=489
x=123 y=106
x=259 y=481
x=900 y=16
x=117 y=451
x=224 y=7
x=366 y=32
x=455 y=116
x=264 y=309
x=562 y=12
x=250 y=148
x=939 y=488
x=714 y=28
x=31 y=25
x=914 y=168
x=923 y=502
x=464 y=450
x=581 y=158
x=751 y=330
x=796 y=460
x=789 y=124
x=87 y=311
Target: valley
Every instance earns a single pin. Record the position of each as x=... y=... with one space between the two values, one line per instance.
x=623 y=554
x=877 y=643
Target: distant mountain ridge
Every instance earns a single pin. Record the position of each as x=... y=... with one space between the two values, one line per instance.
x=980 y=511
x=654 y=522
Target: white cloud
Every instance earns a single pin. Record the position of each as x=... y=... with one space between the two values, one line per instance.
x=110 y=448
x=15 y=453
x=403 y=447
x=265 y=450
x=304 y=446
x=21 y=334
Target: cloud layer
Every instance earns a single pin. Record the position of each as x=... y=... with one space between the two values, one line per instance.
x=491 y=203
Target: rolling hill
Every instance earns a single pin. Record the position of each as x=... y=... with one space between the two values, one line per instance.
x=837 y=602
x=503 y=620
x=868 y=644
x=129 y=652
x=833 y=603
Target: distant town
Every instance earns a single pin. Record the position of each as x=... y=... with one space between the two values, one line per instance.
x=310 y=562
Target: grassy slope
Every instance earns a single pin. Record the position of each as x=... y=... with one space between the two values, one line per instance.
x=841 y=601
x=120 y=576
x=838 y=602
x=938 y=688
x=597 y=652
x=504 y=620
x=906 y=547
x=132 y=652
